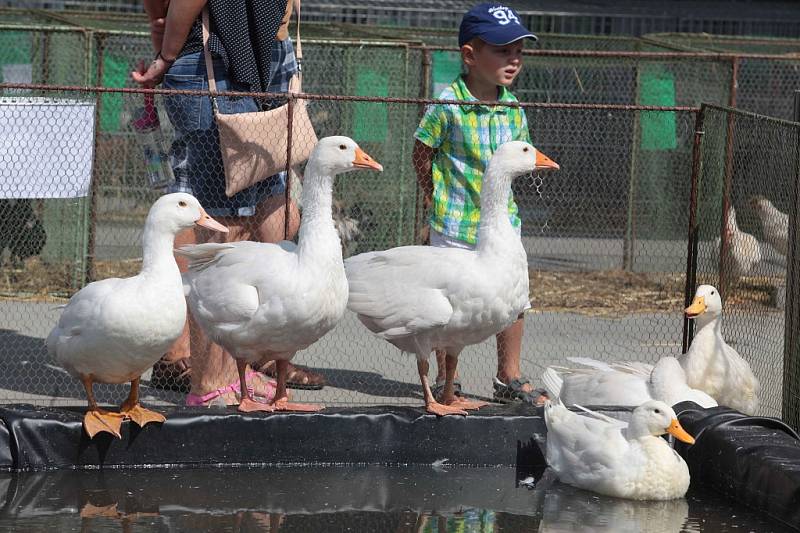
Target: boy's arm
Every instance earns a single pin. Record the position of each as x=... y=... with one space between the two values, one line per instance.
x=423 y=165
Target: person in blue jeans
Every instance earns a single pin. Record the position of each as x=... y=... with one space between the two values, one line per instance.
x=252 y=53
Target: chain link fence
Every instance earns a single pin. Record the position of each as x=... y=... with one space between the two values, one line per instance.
x=605 y=236
x=767 y=70
x=596 y=291
x=748 y=163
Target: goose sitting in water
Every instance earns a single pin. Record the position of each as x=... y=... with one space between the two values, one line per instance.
x=613 y=458
x=774 y=224
x=622 y=383
x=711 y=365
x=421 y=298
x=113 y=330
x=264 y=302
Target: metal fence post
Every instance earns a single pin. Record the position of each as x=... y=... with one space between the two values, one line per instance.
x=724 y=278
x=90 y=273
x=287 y=211
x=693 y=235
x=790 y=408
x=629 y=237
x=424 y=92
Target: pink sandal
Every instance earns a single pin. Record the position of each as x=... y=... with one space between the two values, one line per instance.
x=267 y=393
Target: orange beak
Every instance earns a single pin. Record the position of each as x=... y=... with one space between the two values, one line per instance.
x=697 y=308
x=363 y=160
x=544 y=162
x=676 y=430
x=208 y=222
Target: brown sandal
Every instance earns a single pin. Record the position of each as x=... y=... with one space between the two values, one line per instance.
x=172 y=375
x=299 y=377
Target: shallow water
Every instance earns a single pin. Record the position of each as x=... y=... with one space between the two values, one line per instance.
x=360 y=499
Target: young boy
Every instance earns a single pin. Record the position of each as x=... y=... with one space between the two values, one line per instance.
x=454 y=144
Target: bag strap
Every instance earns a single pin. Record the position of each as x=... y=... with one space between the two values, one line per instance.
x=296 y=83
x=299 y=48
x=212 y=83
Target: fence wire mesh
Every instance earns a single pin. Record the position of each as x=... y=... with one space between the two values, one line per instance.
x=605 y=237
x=748 y=164
x=767 y=70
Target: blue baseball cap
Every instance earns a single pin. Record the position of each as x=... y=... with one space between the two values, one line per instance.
x=494 y=23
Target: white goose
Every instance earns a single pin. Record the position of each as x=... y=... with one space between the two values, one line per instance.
x=113 y=330
x=622 y=383
x=743 y=251
x=774 y=224
x=711 y=365
x=421 y=298
x=613 y=458
x=264 y=301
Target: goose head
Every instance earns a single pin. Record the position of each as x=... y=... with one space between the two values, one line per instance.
x=517 y=158
x=654 y=418
x=175 y=212
x=706 y=303
x=339 y=154
x=759 y=203
x=763 y=207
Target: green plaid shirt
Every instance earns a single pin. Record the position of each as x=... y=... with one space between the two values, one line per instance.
x=465 y=137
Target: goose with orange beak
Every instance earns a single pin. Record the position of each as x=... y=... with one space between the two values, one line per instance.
x=113 y=330
x=712 y=365
x=265 y=302
x=610 y=457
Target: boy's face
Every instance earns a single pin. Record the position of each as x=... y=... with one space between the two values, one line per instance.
x=499 y=65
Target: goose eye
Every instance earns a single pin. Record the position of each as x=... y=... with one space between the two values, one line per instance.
x=342 y=147
x=525 y=149
x=712 y=292
x=658 y=411
x=182 y=203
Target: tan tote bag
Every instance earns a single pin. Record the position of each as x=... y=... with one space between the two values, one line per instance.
x=254 y=145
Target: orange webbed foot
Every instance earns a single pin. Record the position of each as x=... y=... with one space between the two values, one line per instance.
x=141 y=416
x=283 y=404
x=439 y=409
x=101 y=421
x=463 y=403
x=251 y=406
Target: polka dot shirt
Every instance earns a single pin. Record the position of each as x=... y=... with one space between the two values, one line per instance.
x=242 y=35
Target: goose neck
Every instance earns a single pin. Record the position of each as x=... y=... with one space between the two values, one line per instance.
x=157 y=244
x=317 y=231
x=711 y=324
x=495 y=192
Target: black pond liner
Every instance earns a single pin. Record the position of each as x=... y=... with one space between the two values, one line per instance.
x=36 y=438
x=752 y=460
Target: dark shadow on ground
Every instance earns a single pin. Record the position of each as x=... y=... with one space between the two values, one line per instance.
x=26 y=368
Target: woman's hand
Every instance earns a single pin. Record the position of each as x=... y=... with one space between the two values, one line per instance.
x=153 y=74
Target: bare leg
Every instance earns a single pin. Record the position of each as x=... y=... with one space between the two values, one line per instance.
x=431 y=405
x=98 y=420
x=212 y=367
x=138 y=414
x=247 y=404
x=281 y=401
x=449 y=397
x=509 y=346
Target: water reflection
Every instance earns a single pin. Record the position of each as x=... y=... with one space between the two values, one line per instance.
x=362 y=499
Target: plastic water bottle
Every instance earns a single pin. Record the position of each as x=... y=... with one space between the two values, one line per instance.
x=151 y=139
